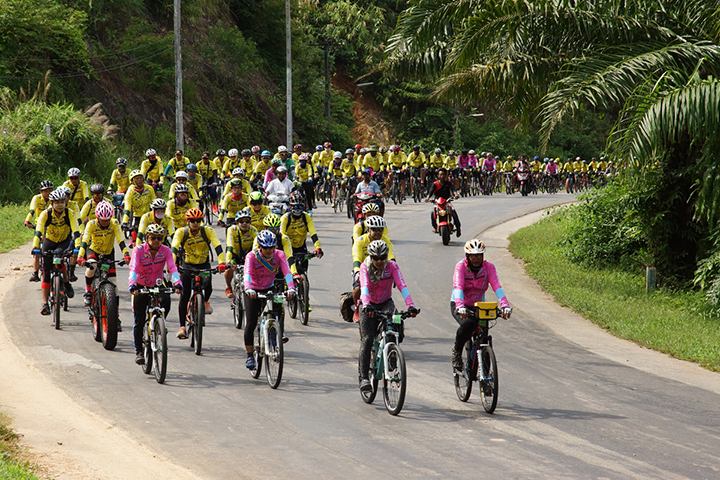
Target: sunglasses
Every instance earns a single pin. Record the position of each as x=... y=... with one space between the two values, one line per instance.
x=378 y=259
x=181 y=180
x=377 y=230
x=298 y=207
x=153 y=238
x=74 y=178
x=194 y=220
x=273 y=229
x=247 y=220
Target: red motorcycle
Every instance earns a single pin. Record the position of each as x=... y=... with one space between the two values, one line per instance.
x=444 y=218
x=523 y=176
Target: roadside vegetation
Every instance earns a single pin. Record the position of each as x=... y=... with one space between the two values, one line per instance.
x=12 y=226
x=12 y=466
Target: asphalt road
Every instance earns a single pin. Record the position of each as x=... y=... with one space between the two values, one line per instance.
x=563 y=411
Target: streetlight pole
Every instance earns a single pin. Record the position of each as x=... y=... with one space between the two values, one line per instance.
x=179 y=139
x=288 y=80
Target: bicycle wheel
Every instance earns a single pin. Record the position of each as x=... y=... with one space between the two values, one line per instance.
x=197 y=331
x=96 y=320
x=57 y=292
x=109 y=315
x=304 y=300
x=255 y=372
x=238 y=311
x=341 y=200
x=463 y=380
x=292 y=304
x=159 y=348
x=489 y=379
x=369 y=397
x=274 y=358
x=395 y=385
x=147 y=350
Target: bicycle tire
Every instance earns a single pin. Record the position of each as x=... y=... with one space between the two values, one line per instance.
x=147 y=350
x=304 y=296
x=238 y=311
x=109 y=315
x=274 y=358
x=57 y=291
x=292 y=304
x=97 y=326
x=463 y=380
x=341 y=202
x=160 y=352
x=489 y=379
x=64 y=302
x=395 y=387
x=369 y=397
x=199 y=322
x=255 y=372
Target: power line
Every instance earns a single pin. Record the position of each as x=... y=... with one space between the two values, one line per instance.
x=72 y=59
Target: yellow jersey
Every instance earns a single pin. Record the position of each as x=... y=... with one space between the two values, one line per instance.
x=149 y=218
x=416 y=160
x=102 y=239
x=138 y=202
x=231 y=205
x=239 y=243
x=360 y=250
x=177 y=212
x=79 y=194
x=38 y=204
x=194 y=246
x=56 y=228
x=150 y=171
x=256 y=218
x=298 y=228
x=120 y=182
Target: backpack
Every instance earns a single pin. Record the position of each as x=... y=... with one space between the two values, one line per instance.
x=186 y=235
x=49 y=218
x=346 y=304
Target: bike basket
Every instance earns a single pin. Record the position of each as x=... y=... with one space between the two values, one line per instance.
x=486 y=310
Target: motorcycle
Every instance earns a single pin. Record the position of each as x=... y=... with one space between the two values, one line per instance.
x=523 y=177
x=360 y=200
x=444 y=219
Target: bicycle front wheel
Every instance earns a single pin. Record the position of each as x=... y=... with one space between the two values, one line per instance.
x=238 y=311
x=303 y=295
x=489 y=379
x=147 y=350
x=463 y=379
x=255 y=372
x=369 y=397
x=274 y=357
x=292 y=304
x=159 y=347
x=57 y=292
x=109 y=315
x=199 y=319
x=395 y=385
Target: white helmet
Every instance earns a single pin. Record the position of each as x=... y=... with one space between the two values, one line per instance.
x=377 y=248
x=238 y=171
x=337 y=155
x=181 y=174
x=233 y=152
x=150 y=152
x=74 y=172
x=282 y=149
x=471 y=152
x=375 y=221
x=474 y=247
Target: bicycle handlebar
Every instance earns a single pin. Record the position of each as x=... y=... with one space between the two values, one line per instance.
x=195 y=271
x=154 y=290
x=387 y=314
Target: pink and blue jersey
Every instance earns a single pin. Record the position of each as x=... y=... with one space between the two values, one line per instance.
x=472 y=161
x=463 y=161
x=489 y=164
x=381 y=291
x=469 y=288
x=260 y=273
x=551 y=168
x=146 y=270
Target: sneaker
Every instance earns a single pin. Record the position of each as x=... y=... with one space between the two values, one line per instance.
x=45 y=310
x=250 y=362
x=208 y=308
x=35 y=277
x=228 y=292
x=181 y=334
x=69 y=290
x=285 y=338
x=87 y=298
x=73 y=278
x=457 y=362
x=140 y=358
x=365 y=385
x=119 y=326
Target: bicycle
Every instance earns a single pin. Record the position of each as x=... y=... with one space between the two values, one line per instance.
x=154 y=340
x=397 y=195
x=103 y=308
x=237 y=286
x=387 y=362
x=58 y=298
x=268 y=342
x=196 y=305
x=206 y=203
x=301 y=301
x=487 y=314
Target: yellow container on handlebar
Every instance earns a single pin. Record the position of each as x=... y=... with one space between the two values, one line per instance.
x=487 y=310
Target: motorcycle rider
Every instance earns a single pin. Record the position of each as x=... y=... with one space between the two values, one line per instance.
x=441 y=188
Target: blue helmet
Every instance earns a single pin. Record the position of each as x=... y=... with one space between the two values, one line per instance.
x=266 y=153
x=191 y=166
x=266 y=238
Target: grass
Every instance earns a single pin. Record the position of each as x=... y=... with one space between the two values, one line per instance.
x=673 y=322
x=12 y=226
x=12 y=467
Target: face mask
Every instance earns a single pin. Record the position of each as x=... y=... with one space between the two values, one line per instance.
x=159 y=214
x=302 y=164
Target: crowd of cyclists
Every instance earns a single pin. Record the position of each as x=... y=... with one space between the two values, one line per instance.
x=164 y=218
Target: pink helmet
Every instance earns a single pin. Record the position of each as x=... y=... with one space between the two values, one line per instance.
x=104 y=211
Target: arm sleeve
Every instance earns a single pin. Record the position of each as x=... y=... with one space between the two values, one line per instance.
x=74 y=231
x=286 y=270
x=249 y=260
x=364 y=285
x=216 y=244
x=357 y=253
x=312 y=232
x=128 y=205
x=172 y=269
x=132 y=276
x=86 y=209
x=400 y=283
x=144 y=221
x=38 y=229
x=113 y=181
x=86 y=239
x=458 y=293
x=287 y=250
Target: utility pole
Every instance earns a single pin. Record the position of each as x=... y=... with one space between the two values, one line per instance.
x=326 y=43
x=288 y=81
x=179 y=139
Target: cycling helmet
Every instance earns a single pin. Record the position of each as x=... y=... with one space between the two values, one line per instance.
x=266 y=239
x=97 y=189
x=234 y=153
x=349 y=151
x=246 y=152
x=154 y=229
x=256 y=197
x=509 y=157
x=318 y=148
x=45 y=184
x=235 y=182
x=282 y=149
x=74 y=172
x=238 y=171
x=193 y=213
x=438 y=150
x=303 y=158
x=536 y=158
x=242 y=214
x=416 y=147
x=296 y=199
x=363 y=151
x=266 y=153
x=121 y=161
x=221 y=153
x=338 y=154
x=395 y=148
x=104 y=211
x=297 y=147
x=135 y=173
x=150 y=152
x=377 y=248
x=181 y=174
x=471 y=152
x=191 y=166
x=464 y=151
x=370 y=208
x=474 y=247
x=375 y=221
x=255 y=149
x=158 y=204
x=281 y=169
x=327 y=145
x=276 y=161
x=65 y=190
x=451 y=153
x=383 y=149
x=57 y=195
x=181 y=188
x=271 y=221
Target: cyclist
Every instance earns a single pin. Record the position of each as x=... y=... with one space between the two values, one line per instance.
x=335 y=172
x=297 y=151
x=78 y=188
x=396 y=166
x=210 y=177
x=281 y=185
x=137 y=203
x=305 y=174
x=238 y=173
x=441 y=188
x=119 y=181
x=271 y=174
x=148 y=262
x=88 y=211
x=327 y=155
x=371 y=187
x=254 y=159
x=257 y=210
x=192 y=244
x=453 y=170
x=177 y=164
x=376 y=230
x=569 y=170
x=286 y=159
x=152 y=170
x=99 y=238
x=240 y=238
x=219 y=161
x=272 y=223
x=178 y=206
x=377 y=277
x=417 y=162
x=262 y=167
x=38 y=204
x=233 y=162
x=349 y=170
x=248 y=161
x=157 y=216
x=360 y=228
x=262 y=266
x=56 y=227
x=181 y=178
x=435 y=161
x=194 y=179
x=470 y=282
x=232 y=203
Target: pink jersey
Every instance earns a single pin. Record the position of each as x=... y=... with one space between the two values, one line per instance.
x=381 y=291
x=463 y=161
x=472 y=161
x=269 y=176
x=489 y=164
x=146 y=270
x=260 y=273
x=469 y=288
x=551 y=168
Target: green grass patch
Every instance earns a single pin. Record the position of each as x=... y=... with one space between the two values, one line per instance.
x=679 y=323
x=12 y=467
x=12 y=226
